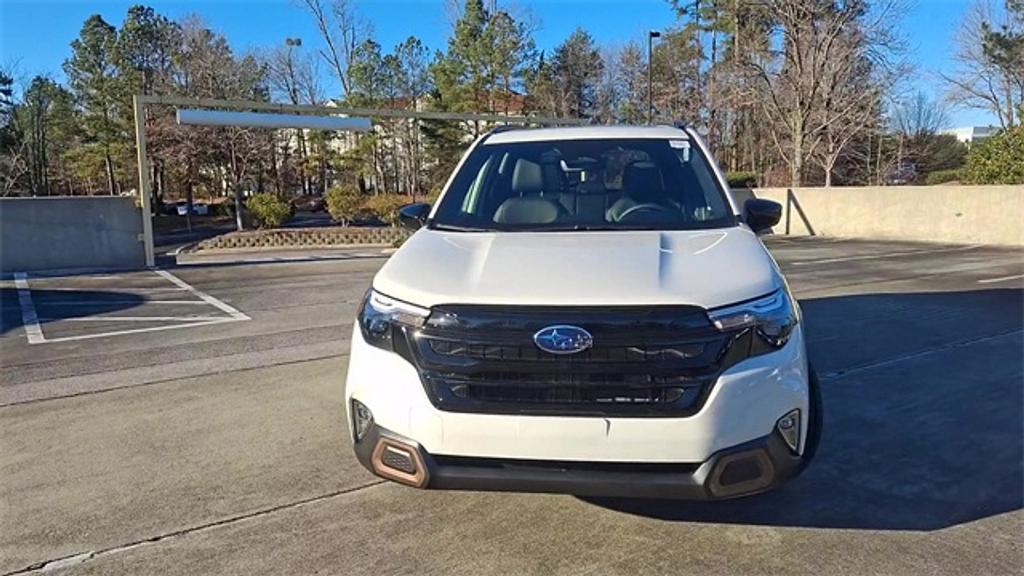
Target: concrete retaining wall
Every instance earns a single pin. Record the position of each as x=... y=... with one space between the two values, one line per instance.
x=70 y=232
x=954 y=214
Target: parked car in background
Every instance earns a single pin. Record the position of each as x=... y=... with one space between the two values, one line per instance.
x=309 y=203
x=198 y=208
x=903 y=174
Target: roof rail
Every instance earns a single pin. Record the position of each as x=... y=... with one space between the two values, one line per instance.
x=504 y=128
x=499 y=129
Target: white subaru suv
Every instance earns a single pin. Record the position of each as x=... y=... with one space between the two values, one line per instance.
x=585 y=311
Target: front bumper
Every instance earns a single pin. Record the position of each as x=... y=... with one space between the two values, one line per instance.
x=749 y=468
x=729 y=448
x=744 y=405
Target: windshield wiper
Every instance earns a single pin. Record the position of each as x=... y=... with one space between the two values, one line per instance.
x=457 y=228
x=579 y=228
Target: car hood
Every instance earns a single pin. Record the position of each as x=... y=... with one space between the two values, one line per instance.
x=707 y=268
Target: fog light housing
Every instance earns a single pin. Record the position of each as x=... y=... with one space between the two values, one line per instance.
x=789 y=428
x=362 y=419
x=396 y=460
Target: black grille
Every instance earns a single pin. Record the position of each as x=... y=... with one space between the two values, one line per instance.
x=654 y=361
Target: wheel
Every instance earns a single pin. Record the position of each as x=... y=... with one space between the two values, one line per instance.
x=815 y=420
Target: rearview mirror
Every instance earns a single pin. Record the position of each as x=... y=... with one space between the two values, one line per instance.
x=413 y=216
x=761 y=214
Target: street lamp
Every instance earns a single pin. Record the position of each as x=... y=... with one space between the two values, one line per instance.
x=651 y=35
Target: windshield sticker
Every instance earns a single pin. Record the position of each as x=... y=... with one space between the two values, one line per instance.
x=683 y=145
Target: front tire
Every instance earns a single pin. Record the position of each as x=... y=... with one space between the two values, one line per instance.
x=815 y=420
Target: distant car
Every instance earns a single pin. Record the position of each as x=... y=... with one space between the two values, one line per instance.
x=309 y=204
x=904 y=174
x=198 y=208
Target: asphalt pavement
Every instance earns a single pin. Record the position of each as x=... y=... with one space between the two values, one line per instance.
x=190 y=421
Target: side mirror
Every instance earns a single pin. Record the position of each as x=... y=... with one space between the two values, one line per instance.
x=413 y=216
x=761 y=214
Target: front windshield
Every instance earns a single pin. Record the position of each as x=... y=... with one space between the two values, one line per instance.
x=607 y=184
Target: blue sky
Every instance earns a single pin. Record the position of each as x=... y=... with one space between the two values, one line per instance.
x=35 y=34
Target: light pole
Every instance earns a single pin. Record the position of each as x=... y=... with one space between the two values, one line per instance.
x=651 y=35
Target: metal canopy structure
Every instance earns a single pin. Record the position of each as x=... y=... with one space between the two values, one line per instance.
x=211 y=112
x=191 y=116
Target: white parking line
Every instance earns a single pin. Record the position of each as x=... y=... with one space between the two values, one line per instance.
x=1001 y=279
x=203 y=296
x=44 y=304
x=28 y=311
x=139 y=330
x=144 y=319
x=34 y=332
x=58 y=289
x=881 y=256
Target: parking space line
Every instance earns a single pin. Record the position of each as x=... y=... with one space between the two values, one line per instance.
x=234 y=313
x=140 y=330
x=835 y=374
x=29 y=319
x=1001 y=279
x=882 y=256
x=58 y=289
x=146 y=319
x=110 y=302
x=32 y=322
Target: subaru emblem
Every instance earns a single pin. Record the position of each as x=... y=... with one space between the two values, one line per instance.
x=563 y=339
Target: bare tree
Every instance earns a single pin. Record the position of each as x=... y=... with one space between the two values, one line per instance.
x=798 y=72
x=919 y=116
x=342 y=30
x=980 y=81
x=856 y=80
x=293 y=77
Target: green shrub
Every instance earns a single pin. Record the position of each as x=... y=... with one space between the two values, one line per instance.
x=942 y=176
x=998 y=159
x=345 y=204
x=268 y=210
x=741 y=179
x=385 y=207
x=223 y=209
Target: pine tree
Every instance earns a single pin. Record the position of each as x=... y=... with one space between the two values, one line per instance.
x=94 y=81
x=577 y=70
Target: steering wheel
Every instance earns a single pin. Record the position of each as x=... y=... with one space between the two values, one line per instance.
x=646 y=207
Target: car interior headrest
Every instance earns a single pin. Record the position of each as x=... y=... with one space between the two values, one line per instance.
x=526 y=178
x=642 y=181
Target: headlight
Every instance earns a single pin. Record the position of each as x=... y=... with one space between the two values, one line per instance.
x=380 y=316
x=771 y=317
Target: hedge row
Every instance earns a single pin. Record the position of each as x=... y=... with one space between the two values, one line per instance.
x=347 y=205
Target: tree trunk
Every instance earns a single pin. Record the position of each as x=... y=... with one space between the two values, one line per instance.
x=110 y=171
x=236 y=186
x=189 y=202
x=797 y=164
x=303 y=155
